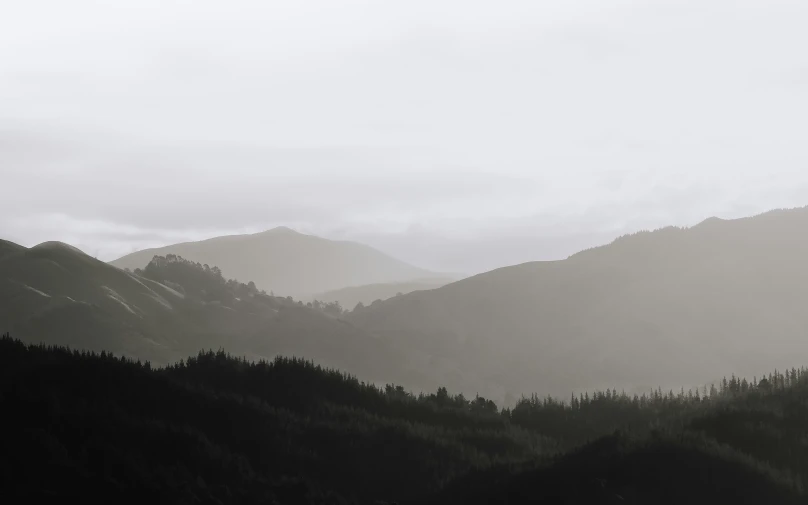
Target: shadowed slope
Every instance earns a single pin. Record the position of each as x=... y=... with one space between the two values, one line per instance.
x=215 y=429
x=55 y=289
x=7 y=248
x=618 y=470
x=54 y=293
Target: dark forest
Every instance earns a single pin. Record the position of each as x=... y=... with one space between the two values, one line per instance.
x=214 y=428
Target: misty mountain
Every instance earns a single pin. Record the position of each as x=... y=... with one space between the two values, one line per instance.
x=287 y=262
x=670 y=307
x=55 y=294
x=351 y=296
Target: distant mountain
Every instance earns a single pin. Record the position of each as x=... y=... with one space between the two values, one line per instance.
x=288 y=263
x=351 y=296
x=670 y=307
x=56 y=294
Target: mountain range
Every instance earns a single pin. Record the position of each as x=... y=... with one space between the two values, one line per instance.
x=55 y=294
x=661 y=308
x=673 y=307
x=284 y=261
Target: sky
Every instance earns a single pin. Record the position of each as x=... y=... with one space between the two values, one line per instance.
x=456 y=135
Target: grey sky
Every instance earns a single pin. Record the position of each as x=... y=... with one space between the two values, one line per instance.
x=459 y=135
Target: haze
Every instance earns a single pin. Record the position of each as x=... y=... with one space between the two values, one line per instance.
x=457 y=136
x=548 y=251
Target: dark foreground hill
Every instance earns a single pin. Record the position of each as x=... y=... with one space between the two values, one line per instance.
x=98 y=429
x=288 y=262
x=56 y=294
x=620 y=470
x=93 y=428
x=670 y=307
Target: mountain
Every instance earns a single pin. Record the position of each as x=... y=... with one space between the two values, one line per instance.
x=672 y=307
x=54 y=288
x=93 y=428
x=56 y=294
x=351 y=296
x=286 y=262
x=7 y=248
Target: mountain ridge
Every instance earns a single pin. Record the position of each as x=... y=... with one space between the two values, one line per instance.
x=288 y=262
x=672 y=304
x=649 y=309
x=349 y=297
x=57 y=295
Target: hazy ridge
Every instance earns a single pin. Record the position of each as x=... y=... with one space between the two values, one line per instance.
x=661 y=307
x=673 y=307
x=54 y=293
x=350 y=297
x=287 y=262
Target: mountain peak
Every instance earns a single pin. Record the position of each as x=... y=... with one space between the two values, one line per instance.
x=282 y=229
x=56 y=245
x=286 y=261
x=712 y=221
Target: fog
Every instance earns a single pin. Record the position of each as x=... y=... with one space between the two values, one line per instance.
x=453 y=135
x=253 y=251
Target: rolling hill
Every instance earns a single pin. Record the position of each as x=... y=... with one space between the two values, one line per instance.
x=288 y=263
x=55 y=294
x=670 y=308
x=667 y=307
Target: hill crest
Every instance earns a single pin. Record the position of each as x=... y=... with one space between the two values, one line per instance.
x=287 y=262
x=656 y=307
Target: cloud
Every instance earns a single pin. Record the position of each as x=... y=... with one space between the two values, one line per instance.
x=426 y=122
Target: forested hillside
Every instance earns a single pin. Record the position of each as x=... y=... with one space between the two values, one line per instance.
x=216 y=429
x=103 y=429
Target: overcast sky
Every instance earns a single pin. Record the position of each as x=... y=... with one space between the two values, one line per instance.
x=459 y=135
